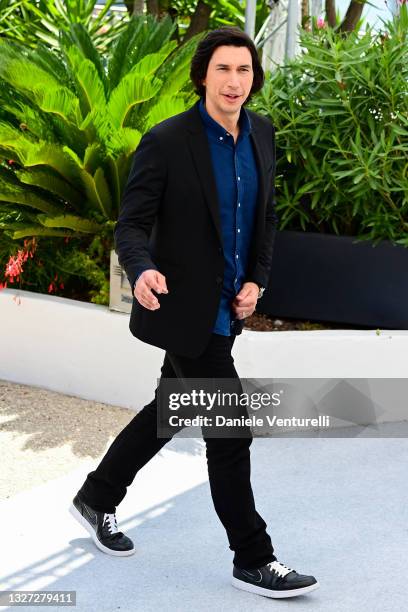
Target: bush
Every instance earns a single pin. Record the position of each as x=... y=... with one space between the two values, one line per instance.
x=69 y=124
x=340 y=111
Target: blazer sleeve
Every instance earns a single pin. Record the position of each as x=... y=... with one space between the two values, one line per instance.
x=261 y=272
x=139 y=207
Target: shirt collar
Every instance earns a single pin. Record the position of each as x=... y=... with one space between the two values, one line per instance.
x=244 y=121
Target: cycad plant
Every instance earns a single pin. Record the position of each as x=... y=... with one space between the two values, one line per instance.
x=31 y=21
x=341 y=112
x=69 y=124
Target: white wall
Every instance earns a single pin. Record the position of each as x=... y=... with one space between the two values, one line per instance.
x=87 y=350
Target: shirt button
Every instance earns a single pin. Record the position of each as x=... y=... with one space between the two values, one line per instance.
x=238 y=230
x=221 y=138
x=239 y=178
x=237 y=256
x=239 y=204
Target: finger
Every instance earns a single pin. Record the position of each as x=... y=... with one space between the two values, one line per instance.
x=149 y=283
x=248 y=303
x=151 y=299
x=159 y=283
x=148 y=305
x=147 y=299
x=249 y=306
x=244 y=311
x=242 y=295
x=161 y=279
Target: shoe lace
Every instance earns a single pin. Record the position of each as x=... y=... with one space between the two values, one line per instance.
x=279 y=568
x=110 y=521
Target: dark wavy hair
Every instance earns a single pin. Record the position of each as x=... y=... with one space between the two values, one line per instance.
x=216 y=38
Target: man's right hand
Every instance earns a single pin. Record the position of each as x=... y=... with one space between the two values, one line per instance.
x=150 y=280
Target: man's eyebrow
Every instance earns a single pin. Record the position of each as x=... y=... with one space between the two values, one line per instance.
x=227 y=65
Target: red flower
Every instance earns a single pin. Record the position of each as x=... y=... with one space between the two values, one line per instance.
x=14 y=267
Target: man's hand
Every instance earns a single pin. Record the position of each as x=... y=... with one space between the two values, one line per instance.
x=245 y=301
x=150 y=280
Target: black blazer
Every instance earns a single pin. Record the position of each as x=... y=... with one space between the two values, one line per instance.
x=170 y=218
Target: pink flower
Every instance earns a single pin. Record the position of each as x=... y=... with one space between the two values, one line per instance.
x=14 y=267
x=321 y=22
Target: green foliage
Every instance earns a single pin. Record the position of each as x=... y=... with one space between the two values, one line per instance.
x=69 y=124
x=341 y=115
x=73 y=267
x=224 y=12
x=33 y=21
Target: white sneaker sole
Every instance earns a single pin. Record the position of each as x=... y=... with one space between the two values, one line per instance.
x=252 y=588
x=116 y=553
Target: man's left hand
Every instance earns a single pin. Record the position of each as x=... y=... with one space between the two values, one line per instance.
x=245 y=301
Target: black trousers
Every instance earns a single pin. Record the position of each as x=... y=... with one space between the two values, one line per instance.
x=228 y=461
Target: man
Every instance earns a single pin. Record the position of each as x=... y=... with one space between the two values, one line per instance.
x=195 y=236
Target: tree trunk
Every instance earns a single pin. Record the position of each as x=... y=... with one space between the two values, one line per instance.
x=352 y=15
x=152 y=7
x=199 y=20
x=134 y=7
x=138 y=7
x=305 y=19
x=330 y=7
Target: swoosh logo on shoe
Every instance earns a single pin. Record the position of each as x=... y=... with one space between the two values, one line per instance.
x=252 y=576
x=91 y=517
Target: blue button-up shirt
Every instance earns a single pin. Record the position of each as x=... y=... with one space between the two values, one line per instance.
x=236 y=178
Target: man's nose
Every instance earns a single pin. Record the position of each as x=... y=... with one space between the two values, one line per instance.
x=233 y=79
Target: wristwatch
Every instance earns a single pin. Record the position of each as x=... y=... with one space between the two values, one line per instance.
x=261 y=292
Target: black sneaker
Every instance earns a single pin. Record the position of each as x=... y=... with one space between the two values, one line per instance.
x=273 y=580
x=103 y=528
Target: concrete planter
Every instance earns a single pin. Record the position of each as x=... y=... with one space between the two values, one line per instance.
x=86 y=350
x=333 y=278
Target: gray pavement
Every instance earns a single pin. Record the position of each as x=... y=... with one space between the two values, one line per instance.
x=335 y=508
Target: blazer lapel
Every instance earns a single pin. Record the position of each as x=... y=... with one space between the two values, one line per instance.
x=262 y=174
x=200 y=150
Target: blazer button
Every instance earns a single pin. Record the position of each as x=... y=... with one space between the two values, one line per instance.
x=220 y=249
x=218 y=280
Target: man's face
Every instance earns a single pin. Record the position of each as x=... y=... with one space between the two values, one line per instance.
x=229 y=78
